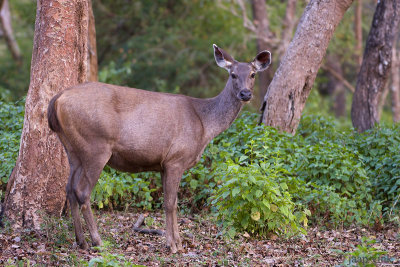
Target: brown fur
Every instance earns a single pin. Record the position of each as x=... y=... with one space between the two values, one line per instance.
x=135 y=130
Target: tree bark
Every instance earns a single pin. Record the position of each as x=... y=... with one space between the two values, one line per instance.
x=395 y=88
x=6 y=29
x=358 y=31
x=260 y=17
x=291 y=85
x=59 y=60
x=376 y=64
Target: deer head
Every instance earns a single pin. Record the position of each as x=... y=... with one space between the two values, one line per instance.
x=242 y=75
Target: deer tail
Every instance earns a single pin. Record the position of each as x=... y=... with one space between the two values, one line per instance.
x=54 y=124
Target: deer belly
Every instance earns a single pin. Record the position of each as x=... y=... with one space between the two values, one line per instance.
x=134 y=162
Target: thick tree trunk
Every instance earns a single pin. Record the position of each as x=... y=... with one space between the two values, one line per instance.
x=395 y=88
x=6 y=29
x=260 y=17
x=376 y=64
x=59 y=60
x=291 y=85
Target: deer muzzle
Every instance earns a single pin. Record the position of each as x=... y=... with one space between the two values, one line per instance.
x=245 y=95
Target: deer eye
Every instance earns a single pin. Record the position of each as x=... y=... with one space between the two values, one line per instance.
x=234 y=76
x=253 y=75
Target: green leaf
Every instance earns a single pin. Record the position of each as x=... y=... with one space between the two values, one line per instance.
x=235 y=191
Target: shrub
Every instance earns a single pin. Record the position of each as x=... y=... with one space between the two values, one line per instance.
x=123 y=190
x=379 y=155
x=12 y=119
x=251 y=198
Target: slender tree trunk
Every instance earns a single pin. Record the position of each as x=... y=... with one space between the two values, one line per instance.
x=382 y=99
x=395 y=88
x=358 y=31
x=376 y=64
x=6 y=29
x=289 y=23
x=59 y=60
x=336 y=87
x=92 y=48
x=260 y=17
x=291 y=85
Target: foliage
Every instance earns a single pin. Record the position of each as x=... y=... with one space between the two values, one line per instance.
x=252 y=199
x=379 y=149
x=161 y=46
x=365 y=254
x=124 y=189
x=258 y=180
x=12 y=120
x=14 y=77
x=108 y=259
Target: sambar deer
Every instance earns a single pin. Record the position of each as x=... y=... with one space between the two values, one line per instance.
x=134 y=130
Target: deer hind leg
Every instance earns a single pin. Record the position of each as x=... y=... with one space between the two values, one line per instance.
x=75 y=172
x=171 y=178
x=83 y=188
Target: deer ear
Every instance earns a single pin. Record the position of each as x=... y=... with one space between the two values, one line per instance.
x=223 y=59
x=262 y=60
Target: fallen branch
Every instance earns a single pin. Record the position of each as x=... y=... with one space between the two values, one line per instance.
x=139 y=222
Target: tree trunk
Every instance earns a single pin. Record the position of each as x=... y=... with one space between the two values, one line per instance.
x=376 y=64
x=358 y=31
x=335 y=86
x=289 y=23
x=92 y=48
x=6 y=29
x=291 y=85
x=395 y=88
x=260 y=17
x=59 y=60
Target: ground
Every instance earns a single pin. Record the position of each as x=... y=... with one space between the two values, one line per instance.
x=203 y=245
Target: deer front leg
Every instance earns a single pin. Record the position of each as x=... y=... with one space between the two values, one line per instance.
x=171 y=178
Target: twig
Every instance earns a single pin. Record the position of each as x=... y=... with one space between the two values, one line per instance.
x=139 y=222
x=247 y=23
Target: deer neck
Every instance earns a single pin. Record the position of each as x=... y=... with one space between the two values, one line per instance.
x=218 y=113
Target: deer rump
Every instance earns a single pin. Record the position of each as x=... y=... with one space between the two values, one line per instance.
x=135 y=130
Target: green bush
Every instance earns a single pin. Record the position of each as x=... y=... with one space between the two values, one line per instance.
x=12 y=120
x=251 y=198
x=123 y=190
x=379 y=154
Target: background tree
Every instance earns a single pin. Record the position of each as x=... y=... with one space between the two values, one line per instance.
x=376 y=64
x=358 y=30
x=7 y=31
x=291 y=85
x=395 y=88
x=37 y=183
x=261 y=22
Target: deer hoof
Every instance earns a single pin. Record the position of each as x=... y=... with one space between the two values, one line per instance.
x=84 y=245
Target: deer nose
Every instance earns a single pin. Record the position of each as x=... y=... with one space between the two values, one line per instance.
x=245 y=95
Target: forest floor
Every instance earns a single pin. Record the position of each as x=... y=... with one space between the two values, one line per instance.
x=203 y=245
